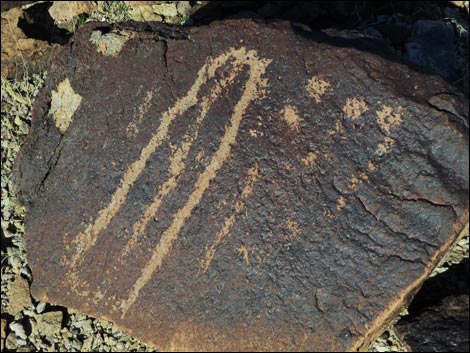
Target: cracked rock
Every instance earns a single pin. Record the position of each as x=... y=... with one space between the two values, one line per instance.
x=241 y=186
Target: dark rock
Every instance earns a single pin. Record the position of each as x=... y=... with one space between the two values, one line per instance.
x=440 y=328
x=432 y=46
x=240 y=186
x=438 y=315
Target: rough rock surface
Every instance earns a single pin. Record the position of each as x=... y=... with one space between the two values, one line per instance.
x=440 y=328
x=18 y=50
x=20 y=297
x=216 y=189
x=438 y=319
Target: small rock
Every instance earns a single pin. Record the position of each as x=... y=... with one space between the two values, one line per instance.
x=20 y=297
x=10 y=342
x=143 y=13
x=49 y=323
x=87 y=344
x=40 y=307
x=18 y=329
x=166 y=10
x=3 y=333
x=183 y=8
x=64 y=11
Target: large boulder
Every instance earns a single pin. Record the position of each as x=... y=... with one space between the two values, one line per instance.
x=240 y=186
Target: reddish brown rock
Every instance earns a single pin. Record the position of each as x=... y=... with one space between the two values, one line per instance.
x=240 y=186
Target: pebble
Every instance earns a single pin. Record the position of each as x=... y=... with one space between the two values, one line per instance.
x=10 y=342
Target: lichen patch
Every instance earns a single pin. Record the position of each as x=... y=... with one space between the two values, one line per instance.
x=110 y=44
x=64 y=103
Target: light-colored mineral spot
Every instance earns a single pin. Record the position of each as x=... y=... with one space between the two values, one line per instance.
x=110 y=44
x=64 y=103
x=290 y=116
x=317 y=88
x=354 y=108
x=387 y=118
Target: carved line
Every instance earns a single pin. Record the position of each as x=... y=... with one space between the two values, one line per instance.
x=87 y=239
x=230 y=220
x=253 y=89
x=177 y=163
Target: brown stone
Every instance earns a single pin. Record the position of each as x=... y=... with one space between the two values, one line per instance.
x=19 y=53
x=240 y=186
x=20 y=298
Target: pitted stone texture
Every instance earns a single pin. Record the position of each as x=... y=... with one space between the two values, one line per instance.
x=242 y=186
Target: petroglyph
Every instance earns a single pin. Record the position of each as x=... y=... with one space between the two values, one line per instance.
x=177 y=161
x=317 y=87
x=64 y=103
x=132 y=128
x=291 y=117
x=190 y=212
x=341 y=203
x=310 y=159
x=242 y=250
x=229 y=221
x=387 y=118
x=385 y=146
x=254 y=89
x=88 y=238
x=355 y=108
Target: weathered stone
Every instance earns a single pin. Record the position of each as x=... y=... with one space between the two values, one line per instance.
x=19 y=53
x=3 y=330
x=254 y=187
x=49 y=324
x=20 y=297
x=64 y=12
x=10 y=342
x=440 y=328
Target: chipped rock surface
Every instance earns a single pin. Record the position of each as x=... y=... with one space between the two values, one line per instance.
x=230 y=192
x=20 y=297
